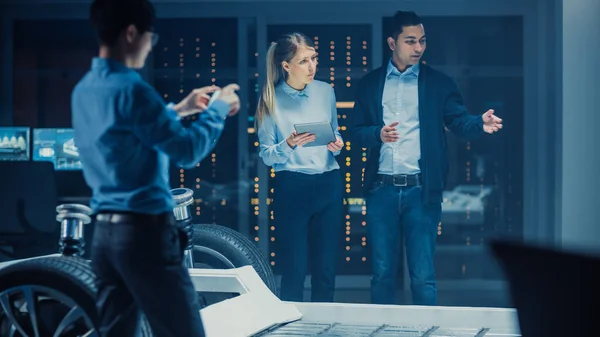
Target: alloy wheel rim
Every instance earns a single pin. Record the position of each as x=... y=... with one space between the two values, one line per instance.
x=22 y=311
x=214 y=255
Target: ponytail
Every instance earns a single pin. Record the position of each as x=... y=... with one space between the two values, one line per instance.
x=266 y=103
x=283 y=50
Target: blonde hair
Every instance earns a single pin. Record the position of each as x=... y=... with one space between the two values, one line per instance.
x=283 y=50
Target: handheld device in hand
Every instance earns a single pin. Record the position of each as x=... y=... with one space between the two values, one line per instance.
x=214 y=97
x=322 y=130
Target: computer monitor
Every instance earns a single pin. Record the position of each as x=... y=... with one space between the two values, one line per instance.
x=14 y=143
x=57 y=146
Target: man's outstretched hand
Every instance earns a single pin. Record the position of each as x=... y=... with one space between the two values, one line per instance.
x=195 y=102
x=229 y=96
x=491 y=123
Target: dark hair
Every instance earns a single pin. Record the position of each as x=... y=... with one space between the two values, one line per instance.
x=283 y=50
x=401 y=20
x=110 y=17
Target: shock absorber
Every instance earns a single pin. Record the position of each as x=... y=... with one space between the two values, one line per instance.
x=184 y=198
x=72 y=218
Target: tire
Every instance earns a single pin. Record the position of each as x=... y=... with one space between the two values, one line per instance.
x=58 y=285
x=219 y=247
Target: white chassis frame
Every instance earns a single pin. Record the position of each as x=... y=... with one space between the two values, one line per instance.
x=257 y=309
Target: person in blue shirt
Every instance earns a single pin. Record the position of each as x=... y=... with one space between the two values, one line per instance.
x=127 y=137
x=400 y=115
x=307 y=202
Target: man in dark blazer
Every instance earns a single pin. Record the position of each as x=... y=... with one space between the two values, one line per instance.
x=400 y=115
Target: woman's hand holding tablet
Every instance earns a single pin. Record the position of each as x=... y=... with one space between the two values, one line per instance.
x=322 y=131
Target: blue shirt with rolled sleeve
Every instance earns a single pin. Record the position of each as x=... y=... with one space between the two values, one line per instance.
x=127 y=137
x=315 y=103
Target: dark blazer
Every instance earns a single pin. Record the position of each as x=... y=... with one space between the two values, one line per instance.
x=440 y=104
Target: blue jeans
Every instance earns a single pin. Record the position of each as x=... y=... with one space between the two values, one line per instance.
x=392 y=211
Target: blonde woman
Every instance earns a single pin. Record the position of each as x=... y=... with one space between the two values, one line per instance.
x=307 y=205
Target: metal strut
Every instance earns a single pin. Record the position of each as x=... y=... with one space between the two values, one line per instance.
x=72 y=218
x=184 y=198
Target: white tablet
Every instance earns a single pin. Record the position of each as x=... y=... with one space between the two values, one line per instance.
x=213 y=97
x=322 y=130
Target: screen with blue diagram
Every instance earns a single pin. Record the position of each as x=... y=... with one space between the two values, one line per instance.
x=14 y=143
x=56 y=146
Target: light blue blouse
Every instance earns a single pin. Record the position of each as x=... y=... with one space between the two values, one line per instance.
x=316 y=103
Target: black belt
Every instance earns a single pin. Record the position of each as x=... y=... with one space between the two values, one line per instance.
x=135 y=218
x=401 y=179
